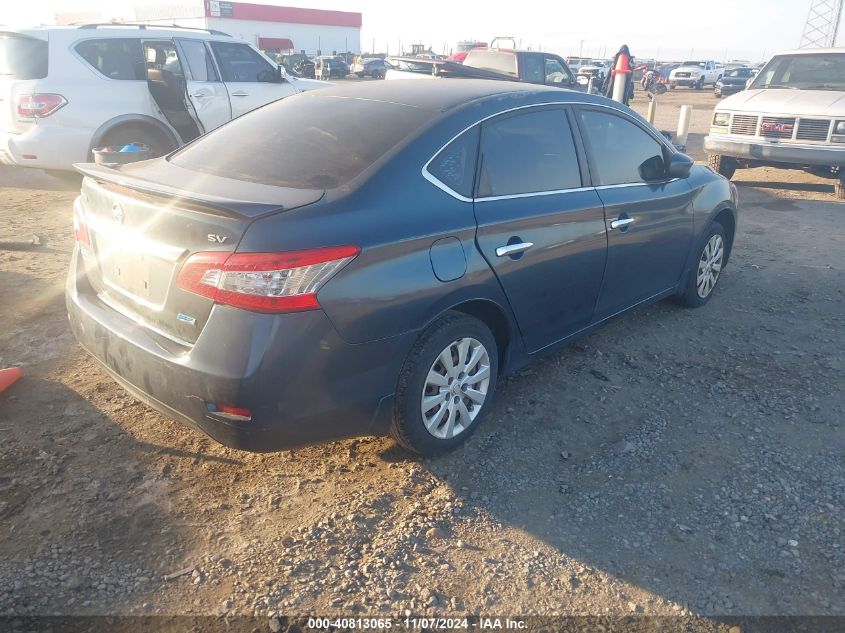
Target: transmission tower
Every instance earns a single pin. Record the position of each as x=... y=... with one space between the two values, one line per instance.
x=822 y=24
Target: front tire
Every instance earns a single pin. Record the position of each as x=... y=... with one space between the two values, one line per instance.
x=446 y=385
x=722 y=165
x=707 y=268
x=700 y=84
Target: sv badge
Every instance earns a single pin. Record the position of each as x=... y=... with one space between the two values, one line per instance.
x=217 y=239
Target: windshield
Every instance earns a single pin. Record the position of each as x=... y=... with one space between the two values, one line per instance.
x=303 y=142
x=22 y=57
x=701 y=64
x=742 y=73
x=815 y=71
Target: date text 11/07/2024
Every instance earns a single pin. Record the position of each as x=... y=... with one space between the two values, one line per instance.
x=416 y=623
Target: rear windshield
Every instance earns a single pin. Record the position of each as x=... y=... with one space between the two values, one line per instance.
x=492 y=60
x=303 y=142
x=22 y=57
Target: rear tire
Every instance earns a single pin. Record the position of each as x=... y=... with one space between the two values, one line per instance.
x=458 y=391
x=722 y=165
x=126 y=134
x=706 y=269
x=839 y=189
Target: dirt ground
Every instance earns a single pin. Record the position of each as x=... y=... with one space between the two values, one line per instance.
x=676 y=462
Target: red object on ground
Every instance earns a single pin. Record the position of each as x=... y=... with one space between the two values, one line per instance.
x=9 y=376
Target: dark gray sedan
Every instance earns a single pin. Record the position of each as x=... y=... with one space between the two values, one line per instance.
x=290 y=278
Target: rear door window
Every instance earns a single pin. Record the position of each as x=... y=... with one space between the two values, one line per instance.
x=239 y=62
x=454 y=166
x=116 y=58
x=532 y=69
x=198 y=60
x=528 y=153
x=22 y=57
x=617 y=147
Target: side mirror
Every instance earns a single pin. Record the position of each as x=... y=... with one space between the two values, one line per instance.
x=268 y=77
x=653 y=169
x=680 y=165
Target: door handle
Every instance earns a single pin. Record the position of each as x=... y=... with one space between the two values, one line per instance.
x=622 y=222
x=239 y=94
x=513 y=249
x=199 y=95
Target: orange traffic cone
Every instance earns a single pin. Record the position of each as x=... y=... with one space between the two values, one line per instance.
x=9 y=377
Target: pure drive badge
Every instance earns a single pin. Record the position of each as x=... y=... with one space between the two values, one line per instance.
x=185 y=318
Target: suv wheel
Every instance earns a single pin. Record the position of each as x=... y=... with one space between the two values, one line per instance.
x=706 y=270
x=126 y=134
x=723 y=165
x=446 y=385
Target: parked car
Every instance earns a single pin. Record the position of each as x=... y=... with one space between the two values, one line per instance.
x=306 y=68
x=792 y=116
x=284 y=295
x=733 y=81
x=490 y=63
x=598 y=71
x=374 y=67
x=339 y=69
x=695 y=74
x=66 y=90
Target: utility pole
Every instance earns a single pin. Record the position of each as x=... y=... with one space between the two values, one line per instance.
x=822 y=24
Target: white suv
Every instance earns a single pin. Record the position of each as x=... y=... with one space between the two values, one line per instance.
x=67 y=90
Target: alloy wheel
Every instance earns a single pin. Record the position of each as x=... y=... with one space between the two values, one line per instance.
x=709 y=266
x=455 y=388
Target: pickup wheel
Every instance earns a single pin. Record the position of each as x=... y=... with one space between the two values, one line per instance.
x=722 y=165
x=839 y=189
x=671 y=87
x=700 y=84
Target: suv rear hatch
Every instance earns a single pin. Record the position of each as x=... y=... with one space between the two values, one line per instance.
x=139 y=224
x=23 y=61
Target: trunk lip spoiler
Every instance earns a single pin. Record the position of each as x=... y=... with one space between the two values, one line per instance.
x=223 y=205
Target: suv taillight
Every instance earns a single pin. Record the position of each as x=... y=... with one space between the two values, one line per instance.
x=39 y=105
x=264 y=282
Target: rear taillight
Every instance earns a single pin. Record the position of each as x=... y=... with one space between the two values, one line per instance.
x=80 y=228
x=264 y=282
x=39 y=105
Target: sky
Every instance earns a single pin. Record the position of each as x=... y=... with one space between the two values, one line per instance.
x=665 y=29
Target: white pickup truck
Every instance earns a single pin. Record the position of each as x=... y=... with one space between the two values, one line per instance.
x=695 y=74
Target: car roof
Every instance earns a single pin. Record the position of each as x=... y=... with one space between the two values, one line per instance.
x=122 y=31
x=445 y=93
x=811 y=51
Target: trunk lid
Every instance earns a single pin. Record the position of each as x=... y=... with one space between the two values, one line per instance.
x=146 y=219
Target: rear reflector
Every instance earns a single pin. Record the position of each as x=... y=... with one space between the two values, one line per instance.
x=39 y=105
x=264 y=282
x=231 y=413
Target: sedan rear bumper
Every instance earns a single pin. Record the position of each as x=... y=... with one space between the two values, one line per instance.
x=301 y=381
x=785 y=153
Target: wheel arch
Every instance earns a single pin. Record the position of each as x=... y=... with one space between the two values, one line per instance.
x=141 y=120
x=727 y=219
x=494 y=317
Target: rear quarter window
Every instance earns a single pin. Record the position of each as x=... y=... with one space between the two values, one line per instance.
x=455 y=165
x=116 y=58
x=22 y=57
